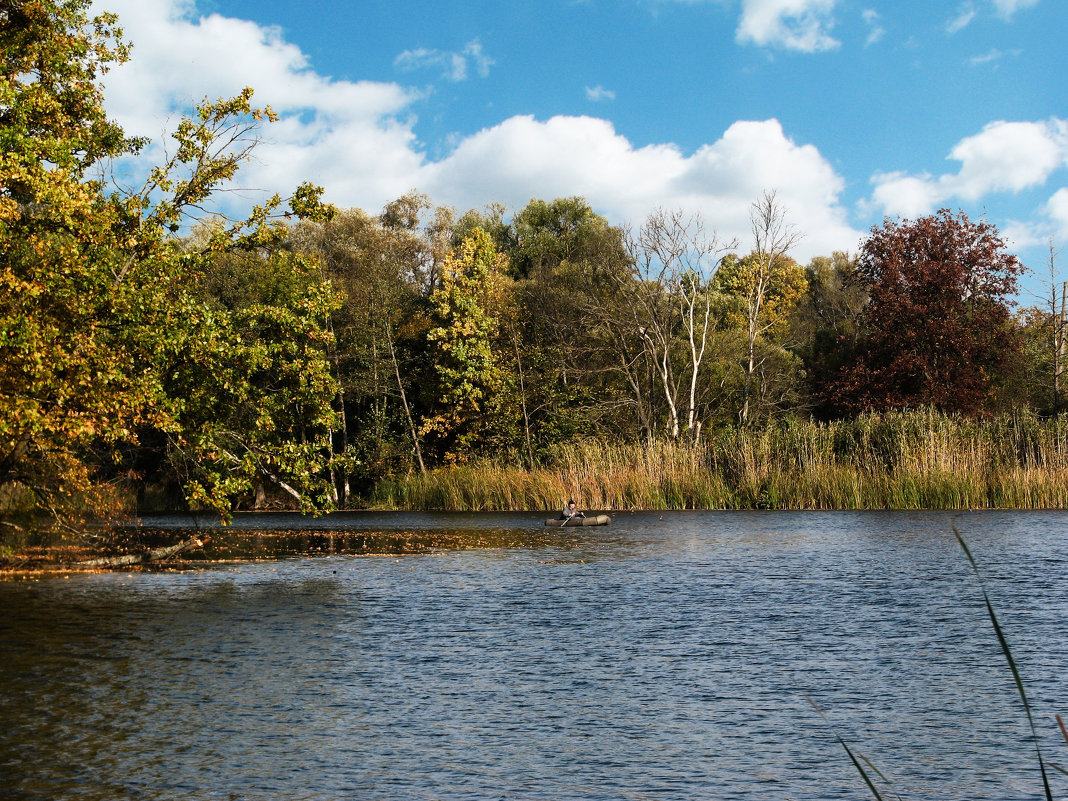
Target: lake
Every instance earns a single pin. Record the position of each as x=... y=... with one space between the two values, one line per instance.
x=665 y=656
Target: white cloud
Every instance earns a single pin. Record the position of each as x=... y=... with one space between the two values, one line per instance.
x=967 y=12
x=453 y=65
x=523 y=158
x=990 y=57
x=1057 y=211
x=964 y=17
x=357 y=139
x=802 y=25
x=903 y=195
x=876 y=31
x=1003 y=157
x=1008 y=156
x=599 y=93
x=1006 y=8
x=482 y=61
x=1050 y=224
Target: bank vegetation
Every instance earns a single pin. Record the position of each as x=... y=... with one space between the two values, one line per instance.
x=154 y=356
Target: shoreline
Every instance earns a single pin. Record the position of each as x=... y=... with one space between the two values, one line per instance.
x=159 y=552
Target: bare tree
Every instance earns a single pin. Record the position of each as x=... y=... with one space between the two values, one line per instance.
x=674 y=262
x=1056 y=307
x=773 y=238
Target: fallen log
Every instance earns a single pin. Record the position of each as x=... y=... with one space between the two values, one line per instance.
x=146 y=556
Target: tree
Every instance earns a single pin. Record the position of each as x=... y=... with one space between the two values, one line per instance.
x=561 y=255
x=249 y=391
x=62 y=382
x=547 y=234
x=825 y=324
x=97 y=296
x=670 y=302
x=381 y=265
x=938 y=326
x=464 y=332
x=767 y=282
x=761 y=299
x=1052 y=320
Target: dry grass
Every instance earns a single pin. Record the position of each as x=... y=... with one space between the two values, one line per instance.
x=913 y=460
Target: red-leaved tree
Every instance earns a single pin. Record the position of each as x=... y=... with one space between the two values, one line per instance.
x=938 y=325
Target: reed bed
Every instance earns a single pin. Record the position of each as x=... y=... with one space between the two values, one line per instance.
x=909 y=460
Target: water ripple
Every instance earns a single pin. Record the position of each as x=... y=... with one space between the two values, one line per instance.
x=668 y=656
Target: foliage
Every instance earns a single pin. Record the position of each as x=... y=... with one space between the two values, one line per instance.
x=103 y=339
x=825 y=324
x=64 y=381
x=938 y=326
x=463 y=332
x=760 y=299
x=565 y=260
x=150 y=349
x=548 y=234
x=252 y=383
x=768 y=293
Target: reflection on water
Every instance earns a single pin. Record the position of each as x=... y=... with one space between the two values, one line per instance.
x=665 y=656
x=277 y=535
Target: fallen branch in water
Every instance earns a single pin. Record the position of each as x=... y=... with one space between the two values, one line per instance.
x=146 y=556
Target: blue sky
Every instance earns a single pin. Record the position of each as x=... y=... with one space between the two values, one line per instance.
x=849 y=110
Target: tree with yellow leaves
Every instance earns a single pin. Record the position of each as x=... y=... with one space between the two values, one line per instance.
x=766 y=284
x=103 y=335
x=464 y=329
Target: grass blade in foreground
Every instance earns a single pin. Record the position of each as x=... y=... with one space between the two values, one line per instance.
x=1064 y=732
x=856 y=762
x=1012 y=662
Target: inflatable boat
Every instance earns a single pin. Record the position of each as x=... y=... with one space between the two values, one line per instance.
x=592 y=520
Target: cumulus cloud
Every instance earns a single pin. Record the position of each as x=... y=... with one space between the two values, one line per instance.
x=1057 y=212
x=1003 y=157
x=354 y=135
x=599 y=93
x=357 y=139
x=801 y=25
x=1049 y=224
x=897 y=193
x=523 y=158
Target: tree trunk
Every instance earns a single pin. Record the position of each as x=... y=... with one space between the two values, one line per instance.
x=146 y=556
x=404 y=401
x=523 y=402
x=1059 y=348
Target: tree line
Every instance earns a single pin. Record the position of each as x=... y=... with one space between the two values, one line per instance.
x=151 y=350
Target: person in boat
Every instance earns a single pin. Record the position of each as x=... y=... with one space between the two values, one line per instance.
x=570 y=511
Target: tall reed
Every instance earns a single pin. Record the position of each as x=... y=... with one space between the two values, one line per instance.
x=908 y=460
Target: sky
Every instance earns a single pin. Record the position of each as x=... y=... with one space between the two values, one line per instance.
x=851 y=111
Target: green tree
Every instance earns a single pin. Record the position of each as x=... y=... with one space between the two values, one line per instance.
x=251 y=385
x=96 y=303
x=561 y=257
x=64 y=381
x=826 y=323
x=379 y=265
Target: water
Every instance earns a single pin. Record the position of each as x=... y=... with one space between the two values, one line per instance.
x=666 y=656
